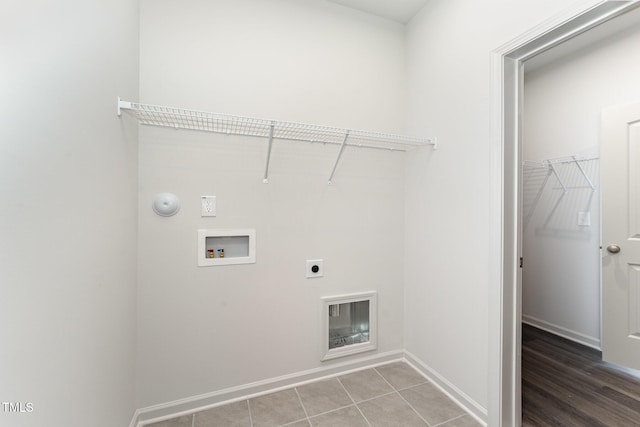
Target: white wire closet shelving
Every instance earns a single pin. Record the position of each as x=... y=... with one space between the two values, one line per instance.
x=550 y=164
x=177 y=118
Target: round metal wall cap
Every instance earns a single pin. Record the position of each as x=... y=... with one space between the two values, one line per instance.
x=166 y=204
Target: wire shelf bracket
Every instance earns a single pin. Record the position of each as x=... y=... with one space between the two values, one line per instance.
x=177 y=118
x=555 y=172
x=335 y=164
x=265 y=180
x=584 y=174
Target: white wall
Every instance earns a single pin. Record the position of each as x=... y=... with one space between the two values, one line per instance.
x=68 y=212
x=308 y=61
x=207 y=329
x=447 y=237
x=565 y=90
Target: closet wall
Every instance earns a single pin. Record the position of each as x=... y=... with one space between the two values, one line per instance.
x=68 y=215
x=565 y=90
x=447 y=290
x=206 y=329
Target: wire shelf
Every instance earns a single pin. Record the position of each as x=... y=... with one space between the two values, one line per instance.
x=177 y=118
x=550 y=165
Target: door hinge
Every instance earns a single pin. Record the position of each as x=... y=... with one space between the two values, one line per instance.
x=521 y=262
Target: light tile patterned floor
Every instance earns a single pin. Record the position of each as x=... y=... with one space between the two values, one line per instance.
x=384 y=396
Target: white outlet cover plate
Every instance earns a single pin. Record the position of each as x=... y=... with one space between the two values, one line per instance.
x=584 y=219
x=209 y=205
x=310 y=264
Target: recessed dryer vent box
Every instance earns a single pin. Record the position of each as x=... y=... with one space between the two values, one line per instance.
x=349 y=324
x=226 y=247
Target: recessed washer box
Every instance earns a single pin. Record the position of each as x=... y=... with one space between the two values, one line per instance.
x=237 y=245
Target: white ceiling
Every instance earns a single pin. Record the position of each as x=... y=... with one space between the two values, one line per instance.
x=397 y=10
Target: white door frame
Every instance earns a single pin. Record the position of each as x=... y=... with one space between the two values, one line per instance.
x=504 y=395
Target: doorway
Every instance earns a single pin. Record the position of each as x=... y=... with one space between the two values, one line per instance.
x=564 y=91
x=505 y=297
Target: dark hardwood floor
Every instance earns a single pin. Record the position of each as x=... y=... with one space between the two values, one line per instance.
x=567 y=384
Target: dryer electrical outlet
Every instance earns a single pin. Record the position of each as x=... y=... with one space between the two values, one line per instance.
x=315 y=268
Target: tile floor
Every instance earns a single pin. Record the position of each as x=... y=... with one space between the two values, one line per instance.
x=385 y=396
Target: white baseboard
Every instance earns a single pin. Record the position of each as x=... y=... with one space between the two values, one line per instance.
x=578 y=337
x=205 y=401
x=202 y=402
x=462 y=399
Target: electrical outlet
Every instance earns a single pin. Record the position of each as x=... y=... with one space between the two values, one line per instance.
x=209 y=205
x=315 y=268
x=584 y=219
